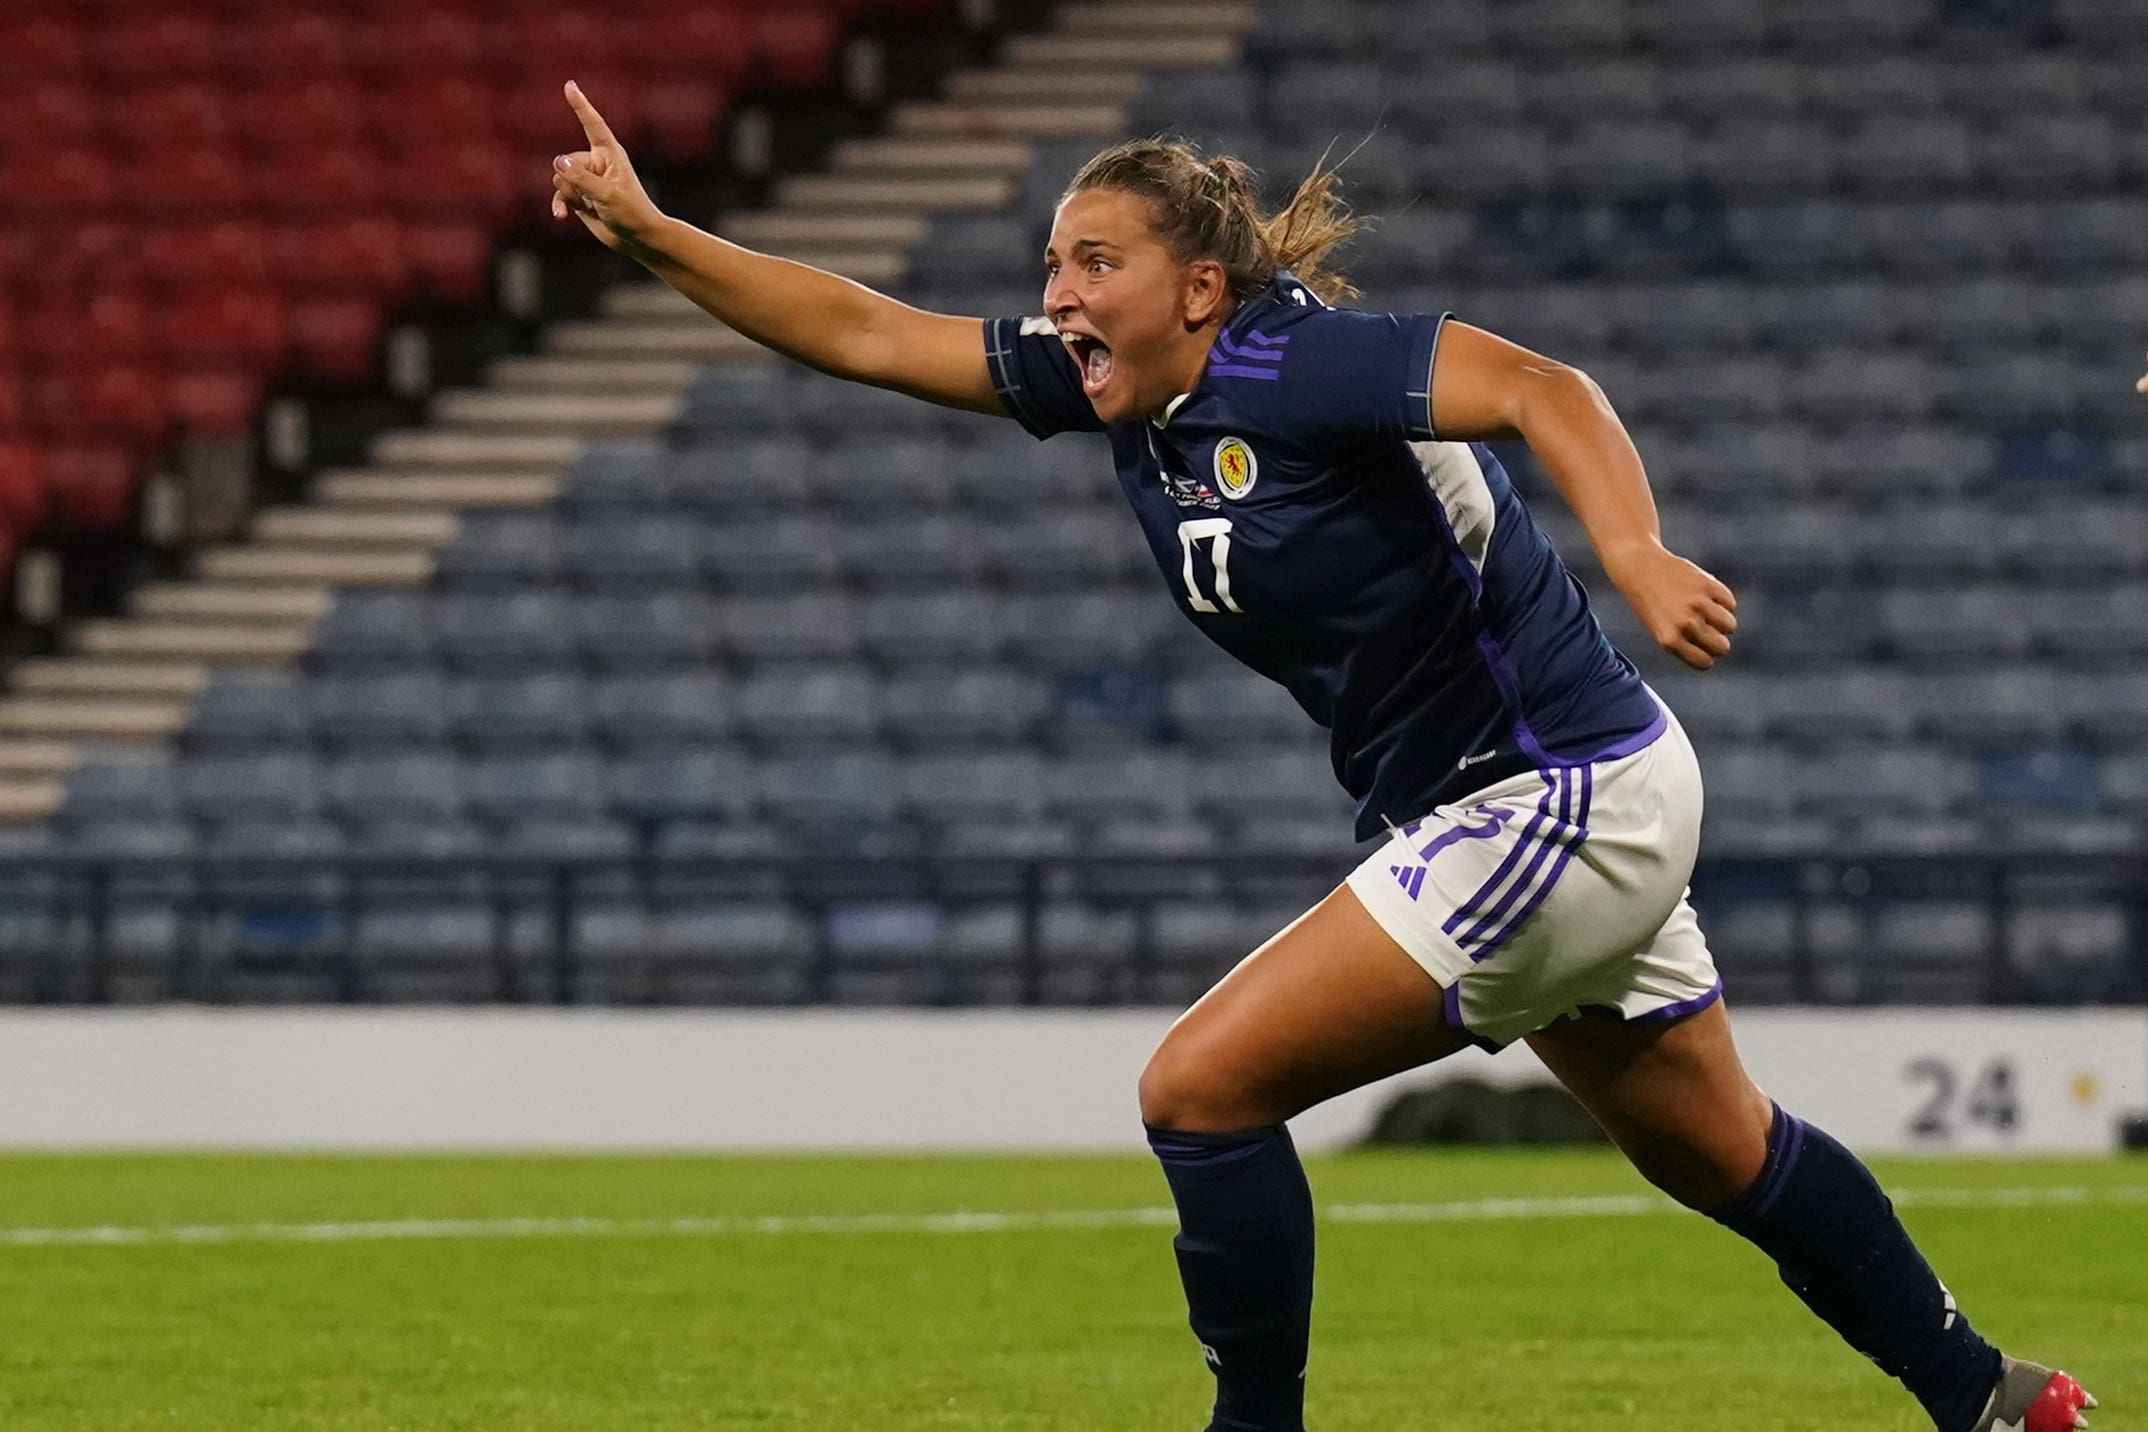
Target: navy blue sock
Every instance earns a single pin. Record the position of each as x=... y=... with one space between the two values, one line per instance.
x=1834 y=1237
x=1245 y=1254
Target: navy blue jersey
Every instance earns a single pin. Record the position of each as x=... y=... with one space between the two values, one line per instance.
x=1308 y=520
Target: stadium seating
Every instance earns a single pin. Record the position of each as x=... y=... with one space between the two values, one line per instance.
x=1869 y=321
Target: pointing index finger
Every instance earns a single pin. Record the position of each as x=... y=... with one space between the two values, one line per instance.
x=593 y=124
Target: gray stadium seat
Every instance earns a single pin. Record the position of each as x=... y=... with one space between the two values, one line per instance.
x=836 y=788
x=532 y=787
x=963 y=707
x=268 y=786
x=976 y=787
x=610 y=552
x=809 y=626
x=1154 y=783
x=625 y=474
x=375 y=629
x=677 y=785
x=783 y=553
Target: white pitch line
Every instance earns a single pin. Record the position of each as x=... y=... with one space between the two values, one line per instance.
x=1466 y=1211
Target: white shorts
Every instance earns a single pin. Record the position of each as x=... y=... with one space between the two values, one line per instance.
x=1554 y=891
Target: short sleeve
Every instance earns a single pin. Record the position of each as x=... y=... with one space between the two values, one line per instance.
x=1035 y=377
x=1348 y=374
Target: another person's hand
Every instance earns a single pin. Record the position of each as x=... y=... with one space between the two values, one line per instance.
x=598 y=184
x=1685 y=609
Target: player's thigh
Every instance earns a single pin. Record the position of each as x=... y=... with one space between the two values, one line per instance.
x=1673 y=1096
x=1328 y=1005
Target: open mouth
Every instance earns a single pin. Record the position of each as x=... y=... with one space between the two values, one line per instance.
x=1094 y=359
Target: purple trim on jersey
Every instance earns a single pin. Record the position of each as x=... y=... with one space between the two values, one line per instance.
x=1502 y=675
x=1239 y=370
x=1468 y=908
x=1465 y=832
x=1263 y=355
x=1259 y=337
x=1568 y=845
x=1450 y=1003
x=1554 y=840
x=1681 y=1009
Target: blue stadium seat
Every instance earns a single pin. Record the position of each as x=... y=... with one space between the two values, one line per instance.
x=2065 y=457
x=405 y=786
x=1798 y=237
x=806 y=627
x=2051 y=153
x=247 y=708
x=534 y=787
x=781 y=554
x=666 y=709
x=726 y=398
x=1870 y=387
x=624 y=474
x=963 y=707
x=955 y=627
x=2007 y=706
x=2104 y=623
x=1955 y=623
x=1892 y=460
x=527 y=629
x=991 y=787
x=757 y=474
x=1118 y=785
x=1858 y=778
x=689 y=785
x=550 y=709
x=1248 y=786
x=1720 y=33
x=1559 y=27
x=1851 y=703
x=794 y=705
x=2073 y=952
x=645 y=631
x=2075 y=238
x=633 y=552
x=1820 y=320
x=1485 y=161
x=1237 y=707
x=1882 y=86
x=384 y=708
x=375 y=629
x=1610 y=160
x=1834 y=27
x=2049 y=778
x=835 y=788
x=1103 y=706
x=2083 y=540
x=269 y=786
x=1939 y=238
x=502 y=549
x=913 y=552
x=1080 y=630
x=1791 y=625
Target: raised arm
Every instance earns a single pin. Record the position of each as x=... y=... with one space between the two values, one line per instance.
x=1486 y=388
x=805 y=313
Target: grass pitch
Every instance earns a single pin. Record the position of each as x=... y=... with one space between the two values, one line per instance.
x=824 y=1295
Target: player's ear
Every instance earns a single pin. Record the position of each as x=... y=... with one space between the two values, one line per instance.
x=1207 y=286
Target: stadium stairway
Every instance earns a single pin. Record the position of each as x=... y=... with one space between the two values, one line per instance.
x=133 y=680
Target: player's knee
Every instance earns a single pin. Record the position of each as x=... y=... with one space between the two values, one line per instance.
x=1181 y=1090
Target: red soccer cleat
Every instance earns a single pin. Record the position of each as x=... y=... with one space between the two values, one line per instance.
x=2031 y=1398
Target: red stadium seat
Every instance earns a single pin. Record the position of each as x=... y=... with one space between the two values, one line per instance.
x=230 y=251
x=310 y=108
x=453 y=260
x=299 y=41
x=361 y=254
x=164 y=114
x=340 y=180
x=56 y=261
x=111 y=324
x=91 y=486
x=14 y=406
x=189 y=179
x=710 y=42
x=66 y=181
x=797 y=47
x=23 y=499
x=565 y=39
x=51 y=112
x=679 y=116
x=162 y=40
x=337 y=338
x=227 y=325
x=480 y=179
x=41 y=43
x=397 y=39
x=443 y=107
x=534 y=118
x=121 y=403
x=215 y=402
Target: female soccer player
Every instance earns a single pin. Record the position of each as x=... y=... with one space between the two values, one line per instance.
x=1308 y=480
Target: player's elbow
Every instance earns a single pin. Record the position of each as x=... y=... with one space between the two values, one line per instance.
x=1558 y=394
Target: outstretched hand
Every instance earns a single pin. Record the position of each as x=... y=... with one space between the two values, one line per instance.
x=598 y=184
x=1689 y=613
